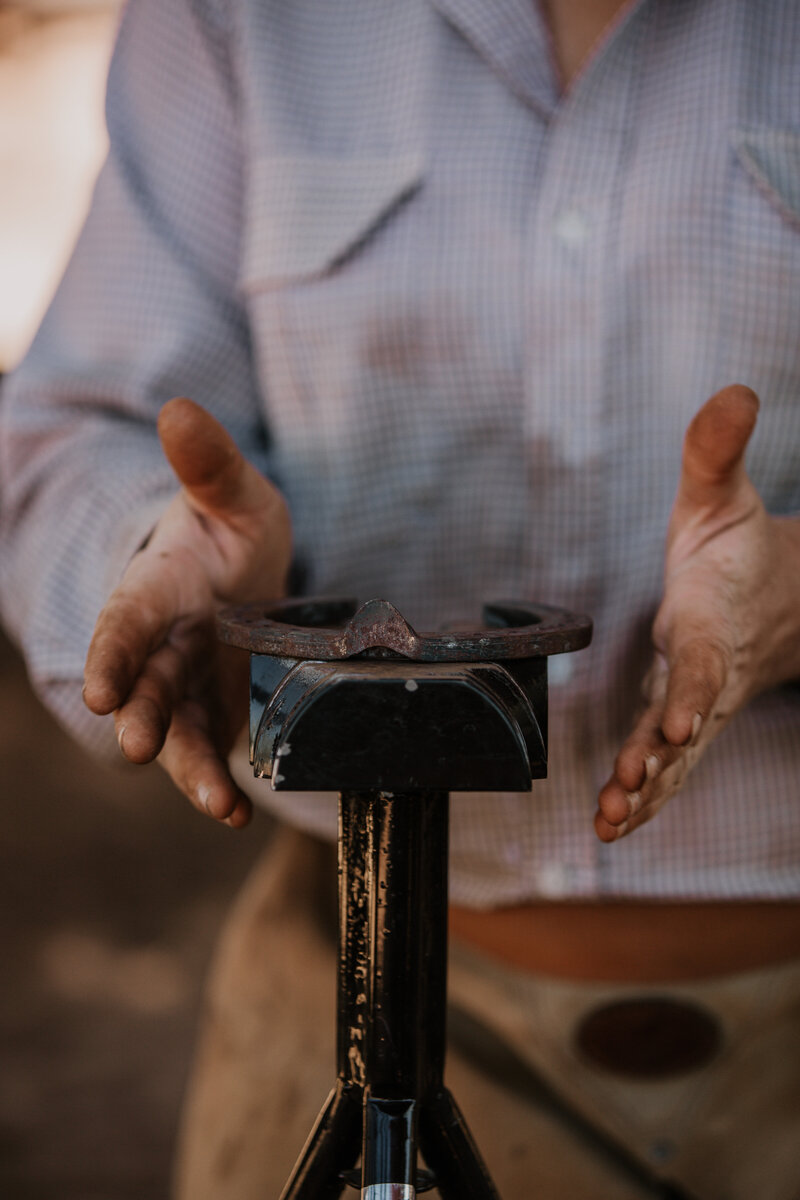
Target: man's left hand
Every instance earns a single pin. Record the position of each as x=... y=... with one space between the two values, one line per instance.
x=729 y=623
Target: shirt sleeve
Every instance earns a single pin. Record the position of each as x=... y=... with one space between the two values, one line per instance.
x=147 y=309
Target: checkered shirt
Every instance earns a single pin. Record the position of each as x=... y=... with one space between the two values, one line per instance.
x=463 y=321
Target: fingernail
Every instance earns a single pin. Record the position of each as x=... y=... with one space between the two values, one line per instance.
x=121 y=737
x=204 y=795
x=652 y=765
x=697 y=725
x=621 y=828
x=634 y=802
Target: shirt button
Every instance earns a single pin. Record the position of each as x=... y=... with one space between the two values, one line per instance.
x=513 y=854
x=559 y=669
x=571 y=227
x=554 y=880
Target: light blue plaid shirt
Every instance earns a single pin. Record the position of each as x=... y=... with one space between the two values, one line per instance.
x=464 y=323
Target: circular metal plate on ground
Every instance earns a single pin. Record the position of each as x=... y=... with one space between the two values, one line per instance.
x=329 y=629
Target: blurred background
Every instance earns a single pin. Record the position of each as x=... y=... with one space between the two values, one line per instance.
x=112 y=889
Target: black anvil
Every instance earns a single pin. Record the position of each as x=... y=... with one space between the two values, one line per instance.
x=354 y=700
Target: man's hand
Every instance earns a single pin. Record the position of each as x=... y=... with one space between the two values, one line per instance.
x=729 y=622
x=154 y=661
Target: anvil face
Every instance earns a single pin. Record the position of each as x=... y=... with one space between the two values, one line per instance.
x=399 y=726
x=348 y=698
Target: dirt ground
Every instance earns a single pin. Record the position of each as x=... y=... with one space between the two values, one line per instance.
x=112 y=890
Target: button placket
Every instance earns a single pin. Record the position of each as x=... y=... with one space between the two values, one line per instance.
x=570 y=233
x=569 y=298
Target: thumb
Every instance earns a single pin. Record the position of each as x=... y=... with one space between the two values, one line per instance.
x=215 y=475
x=714 y=446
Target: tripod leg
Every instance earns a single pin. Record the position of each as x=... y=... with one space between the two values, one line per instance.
x=450 y=1152
x=332 y=1147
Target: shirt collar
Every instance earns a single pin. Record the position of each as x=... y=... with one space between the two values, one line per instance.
x=512 y=36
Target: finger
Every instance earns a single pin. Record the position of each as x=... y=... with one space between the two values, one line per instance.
x=714 y=447
x=204 y=456
x=697 y=675
x=646 y=751
x=619 y=809
x=607 y=832
x=143 y=720
x=133 y=623
x=643 y=758
x=195 y=767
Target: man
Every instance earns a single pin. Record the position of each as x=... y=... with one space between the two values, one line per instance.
x=456 y=279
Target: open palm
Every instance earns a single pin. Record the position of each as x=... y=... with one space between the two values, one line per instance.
x=729 y=623
x=154 y=660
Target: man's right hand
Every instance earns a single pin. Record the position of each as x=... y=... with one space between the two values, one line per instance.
x=154 y=660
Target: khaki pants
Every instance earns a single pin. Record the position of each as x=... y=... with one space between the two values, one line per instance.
x=265 y=1063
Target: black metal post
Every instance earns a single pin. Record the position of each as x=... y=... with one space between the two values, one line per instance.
x=386 y=991
x=393 y=992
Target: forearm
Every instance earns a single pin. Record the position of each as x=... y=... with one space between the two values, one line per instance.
x=147 y=308
x=68 y=526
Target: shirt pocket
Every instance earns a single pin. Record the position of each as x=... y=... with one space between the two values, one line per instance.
x=763 y=302
x=771 y=157
x=322 y=239
x=325 y=243
x=305 y=215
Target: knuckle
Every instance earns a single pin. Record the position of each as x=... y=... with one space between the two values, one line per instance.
x=629 y=766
